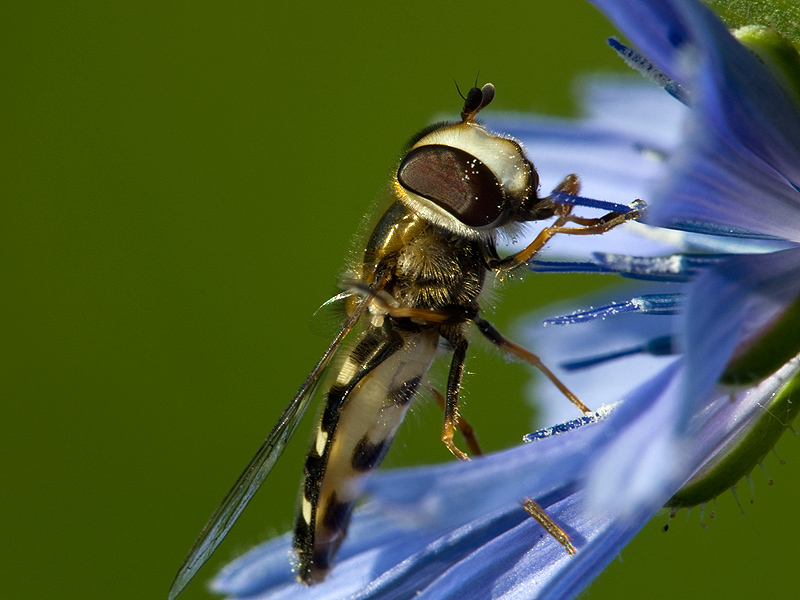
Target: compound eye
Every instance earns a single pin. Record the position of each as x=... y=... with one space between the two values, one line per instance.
x=455 y=181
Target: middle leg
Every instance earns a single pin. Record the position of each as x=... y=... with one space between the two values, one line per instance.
x=497 y=338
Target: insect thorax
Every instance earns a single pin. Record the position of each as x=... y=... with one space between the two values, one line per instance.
x=426 y=266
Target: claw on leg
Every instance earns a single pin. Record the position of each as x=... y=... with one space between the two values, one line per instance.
x=463 y=426
x=447 y=437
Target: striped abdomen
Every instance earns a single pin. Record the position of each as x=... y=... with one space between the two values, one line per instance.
x=364 y=407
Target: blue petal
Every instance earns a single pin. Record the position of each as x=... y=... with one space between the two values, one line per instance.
x=600 y=384
x=656 y=27
x=454 y=494
x=524 y=563
x=740 y=166
x=642 y=456
x=421 y=575
x=653 y=450
x=730 y=303
x=618 y=149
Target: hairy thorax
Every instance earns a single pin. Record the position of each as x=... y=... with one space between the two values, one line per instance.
x=425 y=266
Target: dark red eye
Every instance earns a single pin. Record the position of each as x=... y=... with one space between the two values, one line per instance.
x=456 y=181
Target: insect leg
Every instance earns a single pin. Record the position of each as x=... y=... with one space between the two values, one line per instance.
x=384 y=302
x=540 y=516
x=451 y=402
x=497 y=338
x=531 y=507
x=571 y=186
x=593 y=226
x=461 y=424
x=609 y=220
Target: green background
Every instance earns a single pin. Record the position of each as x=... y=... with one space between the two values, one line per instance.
x=180 y=183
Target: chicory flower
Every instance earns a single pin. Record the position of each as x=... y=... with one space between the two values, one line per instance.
x=458 y=530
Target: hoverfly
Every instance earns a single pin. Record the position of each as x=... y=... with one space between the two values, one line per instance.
x=417 y=286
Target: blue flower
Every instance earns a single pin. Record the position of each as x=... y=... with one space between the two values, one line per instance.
x=458 y=530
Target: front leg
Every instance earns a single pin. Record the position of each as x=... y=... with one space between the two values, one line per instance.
x=563 y=213
x=588 y=227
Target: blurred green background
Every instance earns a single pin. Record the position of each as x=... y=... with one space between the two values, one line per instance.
x=180 y=183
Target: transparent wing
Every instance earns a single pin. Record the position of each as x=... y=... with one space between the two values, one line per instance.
x=328 y=318
x=259 y=467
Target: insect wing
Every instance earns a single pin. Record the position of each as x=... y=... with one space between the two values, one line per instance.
x=327 y=319
x=259 y=467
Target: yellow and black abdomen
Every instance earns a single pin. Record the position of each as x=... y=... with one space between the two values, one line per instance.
x=364 y=406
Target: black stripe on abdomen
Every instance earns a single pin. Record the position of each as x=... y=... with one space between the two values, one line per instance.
x=368 y=455
x=403 y=394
